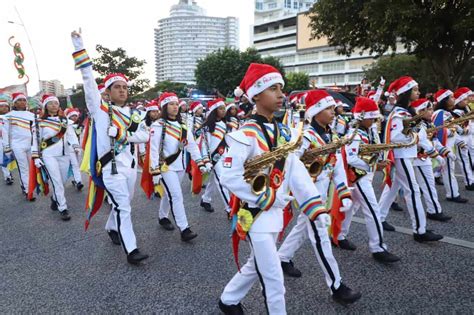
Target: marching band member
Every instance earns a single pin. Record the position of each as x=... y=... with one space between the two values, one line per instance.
x=462 y=96
x=231 y=117
x=169 y=137
x=407 y=91
x=51 y=149
x=195 y=120
x=72 y=114
x=320 y=113
x=4 y=109
x=363 y=194
x=450 y=139
x=118 y=129
x=339 y=125
x=18 y=137
x=213 y=146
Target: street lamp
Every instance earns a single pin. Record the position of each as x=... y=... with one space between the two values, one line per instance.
x=31 y=45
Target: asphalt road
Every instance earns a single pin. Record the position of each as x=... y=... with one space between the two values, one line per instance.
x=50 y=266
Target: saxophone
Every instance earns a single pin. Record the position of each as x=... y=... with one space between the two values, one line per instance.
x=253 y=173
x=450 y=124
x=412 y=122
x=315 y=159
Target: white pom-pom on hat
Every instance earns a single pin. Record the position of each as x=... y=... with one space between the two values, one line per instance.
x=238 y=92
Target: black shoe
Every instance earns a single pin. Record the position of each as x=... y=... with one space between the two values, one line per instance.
x=188 y=235
x=30 y=199
x=345 y=295
x=65 y=215
x=438 y=217
x=470 y=187
x=290 y=270
x=135 y=257
x=457 y=199
x=9 y=181
x=427 y=237
x=385 y=257
x=79 y=186
x=439 y=181
x=346 y=244
x=388 y=227
x=166 y=224
x=396 y=207
x=231 y=309
x=207 y=206
x=114 y=236
x=54 y=205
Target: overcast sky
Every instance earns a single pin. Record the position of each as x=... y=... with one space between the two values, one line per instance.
x=118 y=23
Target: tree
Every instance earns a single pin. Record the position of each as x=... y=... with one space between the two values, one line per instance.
x=112 y=61
x=224 y=69
x=296 y=81
x=181 y=89
x=438 y=31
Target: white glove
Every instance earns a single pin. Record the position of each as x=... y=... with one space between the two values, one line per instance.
x=38 y=163
x=346 y=205
x=209 y=167
x=440 y=160
x=203 y=169
x=382 y=81
x=9 y=155
x=323 y=221
x=451 y=156
x=112 y=131
x=77 y=150
x=77 y=41
x=156 y=179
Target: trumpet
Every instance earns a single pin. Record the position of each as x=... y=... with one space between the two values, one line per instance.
x=254 y=167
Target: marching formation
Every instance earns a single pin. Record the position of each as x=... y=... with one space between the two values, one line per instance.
x=314 y=159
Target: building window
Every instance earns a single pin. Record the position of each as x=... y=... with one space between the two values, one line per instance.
x=259 y=5
x=272 y=5
x=333 y=79
x=334 y=66
x=288 y=4
x=295 y=5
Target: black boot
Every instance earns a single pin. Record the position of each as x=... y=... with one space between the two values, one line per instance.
x=470 y=187
x=188 y=235
x=79 y=186
x=9 y=181
x=427 y=237
x=385 y=257
x=166 y=224
x=396 y=207
x=54 y=205
x=388 y=227
x=439 y=181
x=346 y=244
x=207 y=206
x=441 y=217
x=231 y=309
x=290 y=270
x=65 y=215
x=345 y=295
x=135 y=257
x=457 y=199
x=114 y=237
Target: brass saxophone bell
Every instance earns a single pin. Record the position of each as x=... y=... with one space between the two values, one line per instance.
x=259 y=183
x=315 y=168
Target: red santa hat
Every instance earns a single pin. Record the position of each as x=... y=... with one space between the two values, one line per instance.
x=101 y=88
x=442 y=94
x=166 y=98
x=339 y=103
x=316 y=101
x=258 y=78
x=153 y=105
x=182 y=102
x=461 y=94
x=229 y=106
x=401 y=85
x=421 y=104
x=114 y=77
x=69 y=112
x=366 y=108
x=240 y=113
x=4 y=100
x=214 y=104
x=48 y=98
x=371 y=95
x=195 y=106
x=18 y=96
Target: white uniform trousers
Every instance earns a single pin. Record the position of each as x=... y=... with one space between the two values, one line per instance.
x=57 y=168
x=425 y=178
x=465 y=165
x=319 y=238
x=75 y=167
x=363 y=196
x=214 y=183
x=471 y=154
x=5 y=171
x=449 y=180
x=23 y=157
x=388 y=196
x=405 y=175
x=120 y=190
x=264 y=265
x=173 y=198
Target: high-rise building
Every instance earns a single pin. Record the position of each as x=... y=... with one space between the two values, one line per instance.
x=52 y=87
x=188 y=35
x=281 y=30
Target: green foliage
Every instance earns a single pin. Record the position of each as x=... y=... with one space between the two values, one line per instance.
x=112 y=61
x=224 y=69
x=296 y=81
x=440 y=32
